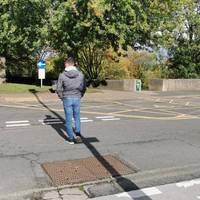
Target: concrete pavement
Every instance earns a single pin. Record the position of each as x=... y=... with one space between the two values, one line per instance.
x=101 y=95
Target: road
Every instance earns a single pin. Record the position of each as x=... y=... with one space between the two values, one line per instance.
x=157 y=134
x=182 y=190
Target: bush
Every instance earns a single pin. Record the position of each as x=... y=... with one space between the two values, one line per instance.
x=113 y=68
x=55 y=66
x=115 y=71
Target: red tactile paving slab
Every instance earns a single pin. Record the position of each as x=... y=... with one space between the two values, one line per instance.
x=84 y=170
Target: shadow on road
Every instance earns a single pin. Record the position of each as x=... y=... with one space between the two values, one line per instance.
x=124 y=183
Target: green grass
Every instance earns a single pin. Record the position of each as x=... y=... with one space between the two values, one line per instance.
x=19 y=88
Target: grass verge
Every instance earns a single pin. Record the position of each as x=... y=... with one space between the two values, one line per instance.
x=21 y=88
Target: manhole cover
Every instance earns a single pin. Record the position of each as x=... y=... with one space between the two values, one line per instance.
x=84 y=170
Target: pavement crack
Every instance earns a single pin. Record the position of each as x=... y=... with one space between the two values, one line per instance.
x=144 y=141
x=186 y=142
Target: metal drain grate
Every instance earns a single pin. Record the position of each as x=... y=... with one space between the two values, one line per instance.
x=84 y=170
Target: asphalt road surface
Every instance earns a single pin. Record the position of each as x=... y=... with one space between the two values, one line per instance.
x=182 y=190
x=158 y=133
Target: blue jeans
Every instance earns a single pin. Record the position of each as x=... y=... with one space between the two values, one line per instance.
x=72 y=108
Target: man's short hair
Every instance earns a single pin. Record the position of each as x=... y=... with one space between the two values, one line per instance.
x=70 y=61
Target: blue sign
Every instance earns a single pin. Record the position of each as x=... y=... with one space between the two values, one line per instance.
x=41 y=64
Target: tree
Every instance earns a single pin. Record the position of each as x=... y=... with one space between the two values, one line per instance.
x=185 y=51
x=22 y=32
x=77 y=25
x=90 y=60
x=175 y=25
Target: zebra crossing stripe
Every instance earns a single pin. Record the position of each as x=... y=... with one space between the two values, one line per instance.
x=16 y=125
x=89 y=120
x=111 y=119
x=49 y=120
x=187 y=184
x=104 y=117
x=49 y=123
x=16 y=122
x=139 y=193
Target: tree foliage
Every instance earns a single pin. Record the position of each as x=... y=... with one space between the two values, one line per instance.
x=185 y=51
x=85 y=29
x=22 y=31
x=75 y=23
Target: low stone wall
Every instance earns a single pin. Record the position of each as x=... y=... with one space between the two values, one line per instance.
x=123 y=85
x=174 y=84
x=2 y=70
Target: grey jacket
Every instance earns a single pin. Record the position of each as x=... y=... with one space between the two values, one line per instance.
x=71 y=83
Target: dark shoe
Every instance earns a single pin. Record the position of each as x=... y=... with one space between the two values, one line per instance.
x=78 y=134
x=71 y=141
x=78 y=139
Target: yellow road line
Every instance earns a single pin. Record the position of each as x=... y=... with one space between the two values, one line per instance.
x=179 y=117
x=142 y=111
x=162 y=111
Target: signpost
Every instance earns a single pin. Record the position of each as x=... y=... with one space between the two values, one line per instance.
x=41 y=65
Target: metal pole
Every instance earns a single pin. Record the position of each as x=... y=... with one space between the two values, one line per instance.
x=41 y=82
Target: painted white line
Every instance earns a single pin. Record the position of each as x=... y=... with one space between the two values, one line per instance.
x=15 y=122
x=171 y=101
x=49 y=123
x=187 y=184
x=111 y=119
x=89 y=120
x=16 y=125
x=198 y=197
x=181 y=116
x=83 y=118
x=140 y=193
x=104 y=117
x=187 y=104
x=49 y=120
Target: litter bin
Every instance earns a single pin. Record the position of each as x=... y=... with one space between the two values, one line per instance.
x=137 y=85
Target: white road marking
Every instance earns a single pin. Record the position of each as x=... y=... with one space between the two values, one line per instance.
x=198 y=197
x=111 y=119
x=104 y=117
x=187 y=184
x=171 y=101
x=89 y=120
x=49 y=123
x=187 y=104
x=163 y=106
x=49 y=120
x=140 y=193
x=84 y=118
x=15 y=122
x=16 y=125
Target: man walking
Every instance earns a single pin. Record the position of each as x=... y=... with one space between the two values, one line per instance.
x=70 y=88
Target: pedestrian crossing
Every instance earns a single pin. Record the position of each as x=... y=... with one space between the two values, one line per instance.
x=56 y=121
x=17 y=123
